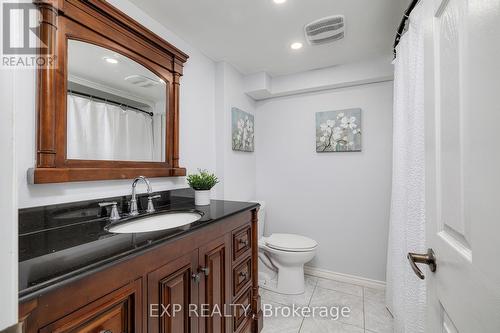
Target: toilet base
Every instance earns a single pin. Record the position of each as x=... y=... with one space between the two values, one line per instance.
x=293 y=284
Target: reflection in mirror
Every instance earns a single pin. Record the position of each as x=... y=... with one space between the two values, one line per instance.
x=116 y=108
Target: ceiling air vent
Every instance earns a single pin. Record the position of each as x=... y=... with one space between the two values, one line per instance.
x=325 y=30
x=141 y=81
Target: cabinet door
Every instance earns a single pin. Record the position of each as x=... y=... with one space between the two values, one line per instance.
x=171 y=290
x=215 y=263
x=117 y=312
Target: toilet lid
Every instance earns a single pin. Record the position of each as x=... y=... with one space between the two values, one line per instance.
x=290 y=242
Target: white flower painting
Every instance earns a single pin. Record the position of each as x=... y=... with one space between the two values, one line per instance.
x=243 y=130
x=338 y=131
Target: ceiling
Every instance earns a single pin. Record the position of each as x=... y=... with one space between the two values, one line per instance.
x=87 y=62
x=255 y=35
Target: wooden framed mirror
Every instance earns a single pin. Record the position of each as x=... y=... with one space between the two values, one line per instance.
x=108 y=107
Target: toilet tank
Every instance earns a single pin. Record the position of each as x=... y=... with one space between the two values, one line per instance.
x=262 y=218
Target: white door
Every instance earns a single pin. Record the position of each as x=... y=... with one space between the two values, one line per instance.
x=462 y=77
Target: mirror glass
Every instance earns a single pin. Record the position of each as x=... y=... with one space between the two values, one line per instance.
x=116 y=107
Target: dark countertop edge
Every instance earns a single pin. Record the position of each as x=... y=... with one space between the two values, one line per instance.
x=125 y=216
x=60 y=281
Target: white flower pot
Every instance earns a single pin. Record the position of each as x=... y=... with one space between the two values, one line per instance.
x=202 y=198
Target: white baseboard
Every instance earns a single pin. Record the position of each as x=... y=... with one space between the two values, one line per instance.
x=358 y=280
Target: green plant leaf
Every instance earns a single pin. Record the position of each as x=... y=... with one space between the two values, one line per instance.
x=202 y=181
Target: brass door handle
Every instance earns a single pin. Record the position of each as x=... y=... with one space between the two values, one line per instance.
x=429 y=259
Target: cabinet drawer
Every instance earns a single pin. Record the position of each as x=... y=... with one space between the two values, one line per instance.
x=242 y=242
x=240 y=316
x=113 y=313
x=242 y=274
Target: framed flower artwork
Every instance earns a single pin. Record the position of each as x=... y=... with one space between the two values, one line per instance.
x=242 y=124
x=338 y=131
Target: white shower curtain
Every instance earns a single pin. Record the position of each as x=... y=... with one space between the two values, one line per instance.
x=100 y=131
x=405 y=293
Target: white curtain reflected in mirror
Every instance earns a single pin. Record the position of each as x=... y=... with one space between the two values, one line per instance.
x=116 y=108
x=101 y=131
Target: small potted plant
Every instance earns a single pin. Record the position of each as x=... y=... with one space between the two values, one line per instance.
x=202 y=183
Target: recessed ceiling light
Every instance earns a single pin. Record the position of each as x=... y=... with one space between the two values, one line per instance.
x=296 y=46
x=279 y=1
x=111 y=60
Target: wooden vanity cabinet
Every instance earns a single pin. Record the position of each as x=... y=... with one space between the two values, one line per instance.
x=164 y=288
x=169 y=287
x=214 y=260
x=117 y=312
x=182 y=286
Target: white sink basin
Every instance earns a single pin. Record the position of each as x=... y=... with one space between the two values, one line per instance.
x=156 y=223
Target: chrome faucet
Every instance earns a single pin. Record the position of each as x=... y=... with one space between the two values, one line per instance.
x=133 y=201
x=114 y=215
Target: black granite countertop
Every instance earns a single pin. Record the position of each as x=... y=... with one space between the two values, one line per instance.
x=60 y=243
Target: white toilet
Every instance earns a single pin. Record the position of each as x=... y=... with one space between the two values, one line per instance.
x=282 y=258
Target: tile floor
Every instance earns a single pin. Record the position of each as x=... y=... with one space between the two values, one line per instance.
x=368 y=312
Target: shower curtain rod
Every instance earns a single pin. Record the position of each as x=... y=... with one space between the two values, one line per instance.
x=109 y=102
x=402 y=25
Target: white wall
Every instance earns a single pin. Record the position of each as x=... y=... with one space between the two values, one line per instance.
x=341 y=200
x=197 y=137
x=236 y=169
x=8 y=203
x=260 y=86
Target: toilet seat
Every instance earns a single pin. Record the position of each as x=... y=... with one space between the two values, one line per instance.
x=290 y=243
